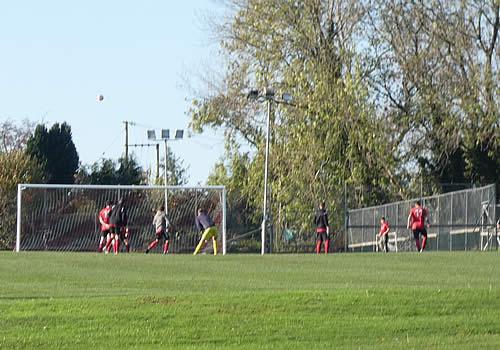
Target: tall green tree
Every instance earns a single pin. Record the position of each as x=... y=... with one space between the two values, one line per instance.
x=15 y=168
x=55 y=151
x=111 y=172
x=330 y=136
x=437 y=74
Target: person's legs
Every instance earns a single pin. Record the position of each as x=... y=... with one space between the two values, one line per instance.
x=326 y=239
x=319 y=240
x=116 y=246
x=386 y=243
x=152 y=245
x=424 y=239
x=416 y=236
x=126 y=239
x=214 y=242
x=102 y=242
x=202 y=242
x=109 y=240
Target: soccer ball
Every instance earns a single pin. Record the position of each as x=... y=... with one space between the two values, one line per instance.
x=100 y=98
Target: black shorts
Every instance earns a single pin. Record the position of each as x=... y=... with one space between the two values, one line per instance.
x=417 y=233
x=104 y=233
x=162 y=234
x=322 y=236
x=116 y=230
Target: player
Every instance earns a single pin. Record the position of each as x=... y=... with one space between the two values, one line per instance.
x=322 y=228
x=206 y=225
x=383 y=234
x=161 y=225
x=419 y=216
x=104 y=215
x=118 y=223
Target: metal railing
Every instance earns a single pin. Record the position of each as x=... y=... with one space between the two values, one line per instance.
x=462 y=220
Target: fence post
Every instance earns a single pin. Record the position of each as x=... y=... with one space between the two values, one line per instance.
x=466 y=219
x=397 y=222
x=437 y=221
x=451 y=223
x=362 y=229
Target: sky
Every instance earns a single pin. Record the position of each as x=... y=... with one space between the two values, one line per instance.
x=58 y=56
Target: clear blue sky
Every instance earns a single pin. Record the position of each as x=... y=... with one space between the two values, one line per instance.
x=57 y=56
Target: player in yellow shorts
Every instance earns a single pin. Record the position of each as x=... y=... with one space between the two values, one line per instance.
x=205 y=223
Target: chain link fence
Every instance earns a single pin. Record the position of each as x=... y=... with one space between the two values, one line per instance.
x=461 y=220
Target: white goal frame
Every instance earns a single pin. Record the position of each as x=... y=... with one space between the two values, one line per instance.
x=21 y=187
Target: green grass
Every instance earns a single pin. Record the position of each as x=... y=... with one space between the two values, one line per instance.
x=90 y=301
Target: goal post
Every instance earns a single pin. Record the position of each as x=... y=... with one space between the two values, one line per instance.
x=65 y=217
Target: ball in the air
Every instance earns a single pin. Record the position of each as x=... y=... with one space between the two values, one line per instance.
x=100 y=98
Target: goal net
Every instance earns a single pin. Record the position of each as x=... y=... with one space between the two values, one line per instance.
x=65 y=217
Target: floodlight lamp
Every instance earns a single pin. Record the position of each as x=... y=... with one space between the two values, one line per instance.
x=253 y=94
x=287 y=97
x=151 y=135
x=269 y=93
x=179 y=134
x=165 y=134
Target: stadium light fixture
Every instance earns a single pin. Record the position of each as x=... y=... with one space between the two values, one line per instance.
x=165 y=134
x=179 y=134
x=269 y=95
x=151 y=135
x=253 y=94
x=287 y=98
x=165 y=137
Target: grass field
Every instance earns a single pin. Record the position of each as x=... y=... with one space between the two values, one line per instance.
x=90 y=301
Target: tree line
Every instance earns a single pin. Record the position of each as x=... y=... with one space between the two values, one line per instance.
x=388 y=94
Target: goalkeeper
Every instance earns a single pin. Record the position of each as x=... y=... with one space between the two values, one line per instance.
x=206 y=225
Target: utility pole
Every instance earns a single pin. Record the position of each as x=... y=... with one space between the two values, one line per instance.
x=157 y=161
x=126 y=141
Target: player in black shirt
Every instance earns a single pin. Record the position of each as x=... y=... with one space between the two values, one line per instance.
x=322 y=228
x=118 y=223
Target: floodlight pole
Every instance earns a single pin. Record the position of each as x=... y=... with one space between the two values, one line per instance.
x=166 y=176
x=266 y=171
x=19 y=217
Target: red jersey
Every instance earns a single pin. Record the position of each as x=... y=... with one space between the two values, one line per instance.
x=418 y=216
x=104 y=217
x=384 y=228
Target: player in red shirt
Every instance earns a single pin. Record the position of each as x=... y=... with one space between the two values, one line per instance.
x=417 y=220
x=104 y=215
x=383 y=234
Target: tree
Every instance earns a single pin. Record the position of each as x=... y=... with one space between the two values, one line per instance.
x=176 y=172
x=330 y=136
x=55 y=151
x=110 y=172
x=15 y=168
x=437 y=74
x=14 y=136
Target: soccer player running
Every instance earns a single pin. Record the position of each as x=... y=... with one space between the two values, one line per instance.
x=417 y=220
x=104 y=215
x=322 y=228
x=206 y=225
x=383 y=234
x=118 y=223
x=161 y=225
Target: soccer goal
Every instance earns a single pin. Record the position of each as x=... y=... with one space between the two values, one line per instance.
x=65 y=217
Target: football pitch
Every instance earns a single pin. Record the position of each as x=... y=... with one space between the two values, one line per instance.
x=406 y=300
